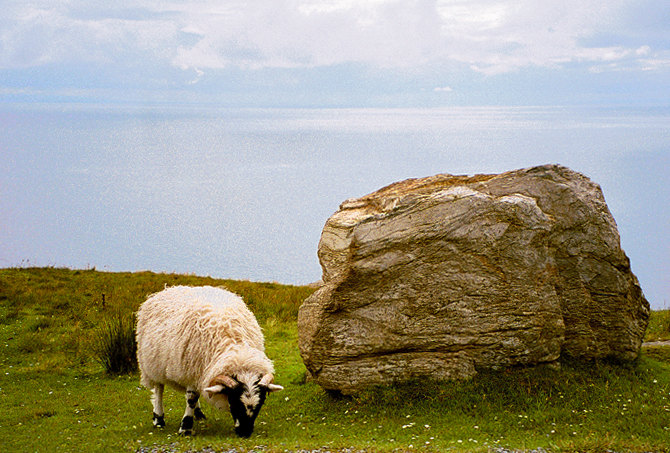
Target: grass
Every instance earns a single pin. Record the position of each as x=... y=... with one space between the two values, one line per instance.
x=56 y=396
x=659 y=326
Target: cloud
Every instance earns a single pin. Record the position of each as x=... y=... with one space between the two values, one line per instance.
x=310 y=34
x=41 y=33
x=490 y=37
x=487 y=36
x=198 y=76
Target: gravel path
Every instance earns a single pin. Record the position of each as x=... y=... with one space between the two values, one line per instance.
x=172 y=449
x=656 y=343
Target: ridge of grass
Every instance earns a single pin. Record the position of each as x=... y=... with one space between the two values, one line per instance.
x=659 y=326
x=55 y=395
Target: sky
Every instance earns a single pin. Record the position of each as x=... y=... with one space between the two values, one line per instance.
x=336 y=53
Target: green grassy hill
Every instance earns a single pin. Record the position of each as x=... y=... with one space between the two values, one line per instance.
x=56 y=396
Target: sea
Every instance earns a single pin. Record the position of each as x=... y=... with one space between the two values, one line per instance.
x=244 y=193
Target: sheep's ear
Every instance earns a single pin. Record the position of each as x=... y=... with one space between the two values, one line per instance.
x=266 y=381
x=274 y=388
x=214 y=389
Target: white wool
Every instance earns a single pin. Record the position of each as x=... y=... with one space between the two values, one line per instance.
x=186 y=336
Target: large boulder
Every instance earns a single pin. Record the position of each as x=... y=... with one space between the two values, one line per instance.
x=445 y=275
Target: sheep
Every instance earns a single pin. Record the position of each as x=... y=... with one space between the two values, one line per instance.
x=203 y=341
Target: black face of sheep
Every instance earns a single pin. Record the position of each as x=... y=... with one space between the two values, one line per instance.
x=246 y=396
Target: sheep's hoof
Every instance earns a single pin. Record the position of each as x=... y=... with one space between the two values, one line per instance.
x=199 y=415
x=186 y=427
x=159 y=421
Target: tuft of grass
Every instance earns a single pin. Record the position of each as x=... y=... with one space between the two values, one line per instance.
x=32 y=342
x=659 y=353
x=39 y=323
x=116 y=346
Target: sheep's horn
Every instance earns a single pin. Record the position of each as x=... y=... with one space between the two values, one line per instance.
x=266 y=380
x=225 y=380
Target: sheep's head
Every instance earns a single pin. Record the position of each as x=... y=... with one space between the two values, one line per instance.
x=246 y=393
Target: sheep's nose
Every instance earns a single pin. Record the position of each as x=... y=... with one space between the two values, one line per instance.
x=244 y=431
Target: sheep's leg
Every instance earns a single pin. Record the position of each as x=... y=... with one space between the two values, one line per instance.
x=199 y=415
x=157 y=400
x=186 y=427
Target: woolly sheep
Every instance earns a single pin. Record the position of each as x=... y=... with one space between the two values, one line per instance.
x=203 y=341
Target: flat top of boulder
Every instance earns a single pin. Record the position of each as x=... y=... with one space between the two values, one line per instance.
x=417 y=186
x=408 y=191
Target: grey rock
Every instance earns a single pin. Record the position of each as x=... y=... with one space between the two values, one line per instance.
x=444 y=275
